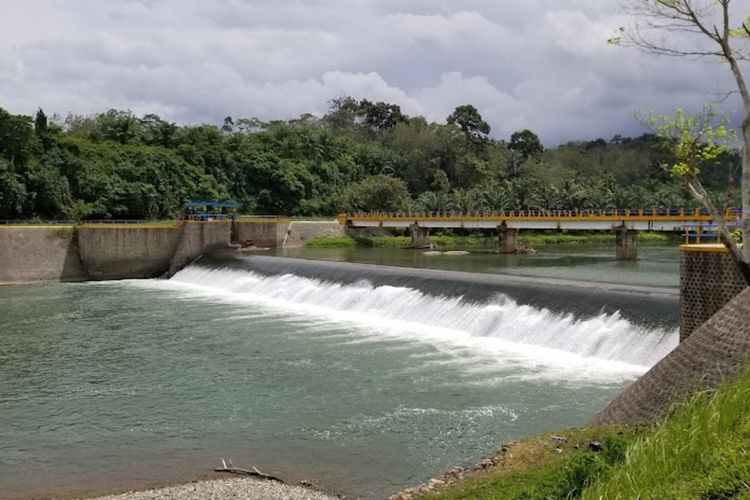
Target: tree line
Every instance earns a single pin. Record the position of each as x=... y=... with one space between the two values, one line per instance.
x=360 y=155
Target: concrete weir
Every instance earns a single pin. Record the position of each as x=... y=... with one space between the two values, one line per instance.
x=99 y=251
x=39 y=253
x=119 y=251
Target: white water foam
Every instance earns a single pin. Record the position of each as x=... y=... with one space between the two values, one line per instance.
x=501 y=328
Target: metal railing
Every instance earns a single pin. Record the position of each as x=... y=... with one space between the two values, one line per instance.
x=677 y=213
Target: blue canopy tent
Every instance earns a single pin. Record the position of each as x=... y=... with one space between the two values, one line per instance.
x=210 y=210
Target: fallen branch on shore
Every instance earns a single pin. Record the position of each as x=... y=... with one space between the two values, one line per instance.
x=230 y=468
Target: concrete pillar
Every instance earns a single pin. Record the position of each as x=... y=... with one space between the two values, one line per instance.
x=507 y=238
x=420 y=236
x=709 y=278
x=627 y=243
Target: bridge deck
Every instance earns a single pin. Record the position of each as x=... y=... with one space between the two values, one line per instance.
x=593 y=220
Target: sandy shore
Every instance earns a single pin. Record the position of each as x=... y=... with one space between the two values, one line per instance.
x=235 y=488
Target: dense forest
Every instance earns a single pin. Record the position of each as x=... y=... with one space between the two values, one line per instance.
x=359 y=156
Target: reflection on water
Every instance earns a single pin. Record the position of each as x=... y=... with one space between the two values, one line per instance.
x=656 y=265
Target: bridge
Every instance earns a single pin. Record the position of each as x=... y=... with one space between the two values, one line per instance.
x=624 y=222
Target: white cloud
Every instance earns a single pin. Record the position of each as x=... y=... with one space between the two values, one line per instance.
x=522 y=64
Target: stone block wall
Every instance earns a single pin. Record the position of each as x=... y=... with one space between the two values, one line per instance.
x=709 y=279
x=713 y=354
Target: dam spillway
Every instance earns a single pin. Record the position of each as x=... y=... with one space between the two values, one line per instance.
x=365 y=380
x=583 y=320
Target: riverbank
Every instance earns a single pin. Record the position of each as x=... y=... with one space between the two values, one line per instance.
x=443 y=240
x=220 y=489
x=698 y=451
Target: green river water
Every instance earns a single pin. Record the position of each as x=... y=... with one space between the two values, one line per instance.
x=117 y=385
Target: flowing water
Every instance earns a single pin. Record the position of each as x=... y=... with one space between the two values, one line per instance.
x=358 y=381
x=657 y=265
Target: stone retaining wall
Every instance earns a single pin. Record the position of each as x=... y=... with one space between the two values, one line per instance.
x=709 y=279
x=301 y=231
x=712 y=354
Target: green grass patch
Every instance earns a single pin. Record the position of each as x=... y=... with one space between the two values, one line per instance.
x=533 y=238
x=333 y=242
x=590 y=237
x=534 y=469
x=146 y=224
x=701 y=451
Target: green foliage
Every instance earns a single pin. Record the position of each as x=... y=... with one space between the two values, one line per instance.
x=362 y=155
x=12 y=191
x=701 y=451
x=695 y=140
x=526 y=143
x=378 y=192
x=470 y=122
x=447 y=240
x=536 y=471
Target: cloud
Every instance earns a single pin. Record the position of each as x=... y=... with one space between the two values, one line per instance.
x=522 y=64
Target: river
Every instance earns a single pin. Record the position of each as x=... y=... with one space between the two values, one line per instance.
x=362 y=386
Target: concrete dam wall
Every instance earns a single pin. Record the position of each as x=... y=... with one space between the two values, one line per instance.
x=39 y=253
x=117 y=252
x=125 y=251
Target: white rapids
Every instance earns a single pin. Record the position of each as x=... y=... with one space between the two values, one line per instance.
x=500 y=329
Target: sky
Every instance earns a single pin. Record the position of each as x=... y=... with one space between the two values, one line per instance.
x=544 y=65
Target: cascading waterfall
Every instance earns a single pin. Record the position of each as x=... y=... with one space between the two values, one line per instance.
x=500 y=324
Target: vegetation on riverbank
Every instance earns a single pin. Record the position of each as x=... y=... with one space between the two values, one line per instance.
x=551 y=466
x=702 y=450
x=533 y=238
x=359 y=156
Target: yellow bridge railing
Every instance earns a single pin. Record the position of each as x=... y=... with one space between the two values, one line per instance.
x=641 y=214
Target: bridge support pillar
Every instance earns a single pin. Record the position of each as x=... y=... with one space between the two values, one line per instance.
x=627 y=243
x=420 y=236
x=507 y=238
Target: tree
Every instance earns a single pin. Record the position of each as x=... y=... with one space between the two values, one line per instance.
x=699 y=141
x=380 y=115
x=16 y=137
x=378 y=192
x=12 y=192
x=526 y=143
x=40 y=123
x=670 y=27
x=470 y=122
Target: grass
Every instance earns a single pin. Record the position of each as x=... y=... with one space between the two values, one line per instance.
x=145 y=224
x=534 y=238
x=534 y=469
x=701 y=451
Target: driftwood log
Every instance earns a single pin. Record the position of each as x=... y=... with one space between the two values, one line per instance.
x=231 y=469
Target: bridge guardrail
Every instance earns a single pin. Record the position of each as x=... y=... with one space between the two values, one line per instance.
x=698 y=214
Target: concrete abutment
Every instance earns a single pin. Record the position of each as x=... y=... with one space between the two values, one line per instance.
x=626 y=242
x=420 y=236
x=507 y=238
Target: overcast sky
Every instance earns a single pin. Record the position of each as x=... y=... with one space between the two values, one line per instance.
x=538 y=64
